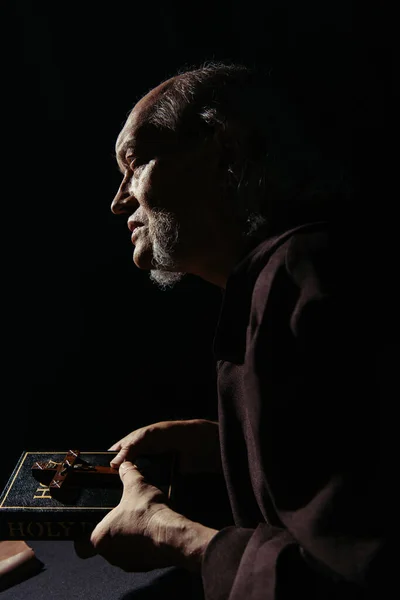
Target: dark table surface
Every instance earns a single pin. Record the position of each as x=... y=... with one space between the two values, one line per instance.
x=65 y=576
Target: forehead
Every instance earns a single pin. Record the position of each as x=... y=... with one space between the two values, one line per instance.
x=138 y=118
x=127 y=137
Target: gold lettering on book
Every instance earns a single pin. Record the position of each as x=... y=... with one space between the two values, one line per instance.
x=51 y=529
x=31 y=530
x=58 y=528
x=16 y=529
x=43 y=491
x=67 y=527
x=47 y=529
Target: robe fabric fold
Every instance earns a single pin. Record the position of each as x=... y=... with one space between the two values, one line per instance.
x=299 y=429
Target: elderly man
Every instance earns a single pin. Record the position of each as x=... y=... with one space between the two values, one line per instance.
x=220 y=182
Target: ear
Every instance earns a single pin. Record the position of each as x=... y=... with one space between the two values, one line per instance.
x=230 y=145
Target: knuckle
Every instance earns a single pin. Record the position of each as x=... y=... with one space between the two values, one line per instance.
x=135 y=438
x=146 y=432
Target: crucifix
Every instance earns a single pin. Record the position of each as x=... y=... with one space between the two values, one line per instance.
x=73 y=472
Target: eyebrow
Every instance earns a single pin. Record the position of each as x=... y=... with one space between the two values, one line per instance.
x=122 y=151
x=120 y=169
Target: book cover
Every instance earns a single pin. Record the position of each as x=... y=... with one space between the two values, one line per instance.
x=29 y=510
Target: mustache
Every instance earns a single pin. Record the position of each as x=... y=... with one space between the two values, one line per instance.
x=139 y=217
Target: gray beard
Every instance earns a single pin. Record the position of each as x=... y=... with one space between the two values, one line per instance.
x=164 y=233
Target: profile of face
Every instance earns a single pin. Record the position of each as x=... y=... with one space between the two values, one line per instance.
x=171 y=195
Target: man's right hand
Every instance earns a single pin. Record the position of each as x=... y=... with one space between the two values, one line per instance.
x=196 y=441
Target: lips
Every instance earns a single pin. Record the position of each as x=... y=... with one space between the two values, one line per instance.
x=132 y=225
x=136 y=231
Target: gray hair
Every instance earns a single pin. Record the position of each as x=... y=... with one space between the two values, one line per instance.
x=275 y=175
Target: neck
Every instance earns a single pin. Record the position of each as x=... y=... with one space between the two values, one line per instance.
x=218 y=265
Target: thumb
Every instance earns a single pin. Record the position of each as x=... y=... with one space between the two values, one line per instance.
x=129 y=475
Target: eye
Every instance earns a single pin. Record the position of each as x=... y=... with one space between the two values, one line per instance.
x=135 y=163
x=130 y=160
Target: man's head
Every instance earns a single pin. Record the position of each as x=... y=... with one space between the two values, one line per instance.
x=206 y=158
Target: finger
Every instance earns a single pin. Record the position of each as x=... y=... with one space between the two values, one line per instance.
x=100 y=535
x=84 y=547
x=116 y=446
x=120 y=457
x=146 y=440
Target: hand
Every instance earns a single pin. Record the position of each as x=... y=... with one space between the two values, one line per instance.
x=197 y=442
x=142 y=533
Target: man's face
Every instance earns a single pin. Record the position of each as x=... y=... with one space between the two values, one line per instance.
x=170 y=193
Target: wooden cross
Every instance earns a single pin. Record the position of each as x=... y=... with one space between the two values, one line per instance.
x=74 y=472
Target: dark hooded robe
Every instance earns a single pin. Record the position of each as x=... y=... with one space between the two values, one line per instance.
x=300 y=437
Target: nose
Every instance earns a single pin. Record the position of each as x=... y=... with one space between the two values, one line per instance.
x=123 y=200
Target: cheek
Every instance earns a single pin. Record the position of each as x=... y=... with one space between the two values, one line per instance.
x=165 y=187
x=133 y=187
x=145 y=191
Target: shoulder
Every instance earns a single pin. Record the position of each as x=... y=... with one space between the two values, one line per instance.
x=297 y=255
x=292 y=265
x=309 y=258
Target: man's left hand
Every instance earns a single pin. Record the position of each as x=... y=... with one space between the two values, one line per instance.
x=143 y=533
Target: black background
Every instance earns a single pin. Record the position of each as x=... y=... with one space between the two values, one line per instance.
x=92 y=349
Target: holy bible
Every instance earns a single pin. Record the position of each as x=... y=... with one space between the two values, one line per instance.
x=61 y=495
